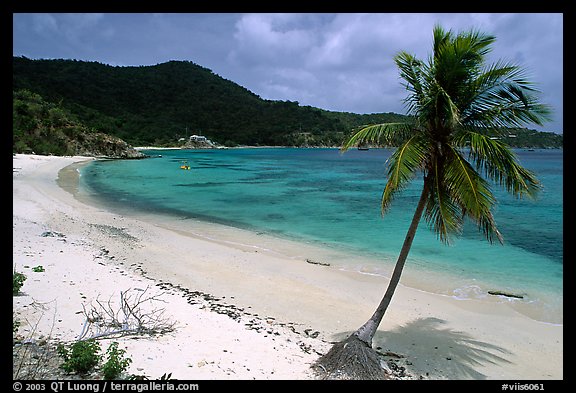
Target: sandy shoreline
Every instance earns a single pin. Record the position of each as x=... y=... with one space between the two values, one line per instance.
x=91 y=252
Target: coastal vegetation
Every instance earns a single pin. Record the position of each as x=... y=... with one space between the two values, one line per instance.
x=42 y=127
x=57 y=101
x=455 y=99
x=45 y=356
x=17 y=282
x=83 y=356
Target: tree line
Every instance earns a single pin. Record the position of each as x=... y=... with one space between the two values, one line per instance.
x=157 y=105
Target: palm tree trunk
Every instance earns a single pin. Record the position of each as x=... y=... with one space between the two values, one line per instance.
x=367 y=331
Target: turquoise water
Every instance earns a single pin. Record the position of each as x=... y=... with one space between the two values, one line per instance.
x=330 y=199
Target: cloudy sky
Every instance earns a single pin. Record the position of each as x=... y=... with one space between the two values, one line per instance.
x=340 y=62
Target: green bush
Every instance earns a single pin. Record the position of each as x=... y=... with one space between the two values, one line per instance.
x=15 y=326
x=17 y=282
x=80 y=357
x=116 y=362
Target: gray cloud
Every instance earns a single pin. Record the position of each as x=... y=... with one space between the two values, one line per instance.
x=338 y=62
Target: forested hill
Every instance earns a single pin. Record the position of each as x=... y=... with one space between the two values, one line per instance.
x=157 y=105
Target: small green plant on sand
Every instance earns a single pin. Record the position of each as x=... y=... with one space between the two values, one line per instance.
x=38 y=269
x=17 y=282
x=80 y=357
x=15 y=326
x=116 y=363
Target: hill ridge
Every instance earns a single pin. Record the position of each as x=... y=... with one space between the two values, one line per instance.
x=162 y=103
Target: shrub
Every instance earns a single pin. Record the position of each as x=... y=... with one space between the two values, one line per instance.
x=80 y=357
x=116 y=362
x=15 y=326
x=17 y=282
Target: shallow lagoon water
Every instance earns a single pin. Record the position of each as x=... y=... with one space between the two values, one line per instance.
x=331 y=200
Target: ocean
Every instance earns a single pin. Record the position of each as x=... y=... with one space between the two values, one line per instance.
x=331 y=201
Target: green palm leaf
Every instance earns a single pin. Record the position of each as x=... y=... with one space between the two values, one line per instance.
x=402 y=166
x=412 y=71
x=499 y=163
x=379 y=134
x=501 y=96
x=442 y=212
x=472 y=193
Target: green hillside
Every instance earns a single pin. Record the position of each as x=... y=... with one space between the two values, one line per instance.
x=157 y=105
x=41 y=127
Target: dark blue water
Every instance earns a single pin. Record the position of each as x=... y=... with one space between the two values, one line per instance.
x=331 y=199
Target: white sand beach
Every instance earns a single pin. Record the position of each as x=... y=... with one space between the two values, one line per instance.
x=244 y=306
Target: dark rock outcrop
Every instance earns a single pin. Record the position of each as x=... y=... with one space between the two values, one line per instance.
x=103 y=145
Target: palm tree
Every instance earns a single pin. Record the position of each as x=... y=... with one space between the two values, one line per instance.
x=456 y=102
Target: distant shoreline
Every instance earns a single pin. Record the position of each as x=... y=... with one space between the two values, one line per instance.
x=139 y=148
x=235 y=147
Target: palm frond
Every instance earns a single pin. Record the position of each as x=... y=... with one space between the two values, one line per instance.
x=457 y=61
x=441 y=38
x=499 y=163
x=472 y=193
x=442 y=108
x=412 y=71
x=442 y=212
x=474 y=97
x=402 y=166
x=474 y=46
x=379 y=134
x=503 y=97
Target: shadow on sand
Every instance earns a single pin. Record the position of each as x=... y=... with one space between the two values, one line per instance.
x=436 y=352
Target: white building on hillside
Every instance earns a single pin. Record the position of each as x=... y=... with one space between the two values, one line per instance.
x=198 y=138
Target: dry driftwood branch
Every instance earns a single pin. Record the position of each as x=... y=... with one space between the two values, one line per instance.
x=131 y=316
